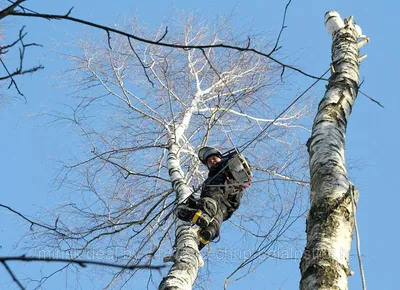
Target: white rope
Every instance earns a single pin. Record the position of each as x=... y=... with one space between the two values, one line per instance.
x=357 y=239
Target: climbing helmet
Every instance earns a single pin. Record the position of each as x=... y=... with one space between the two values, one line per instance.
x=206 y=152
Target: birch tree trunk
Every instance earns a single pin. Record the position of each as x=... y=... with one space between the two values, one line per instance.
x=330 y=221
x=183 y=272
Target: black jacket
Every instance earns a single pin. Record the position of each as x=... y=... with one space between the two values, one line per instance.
x=215 y=187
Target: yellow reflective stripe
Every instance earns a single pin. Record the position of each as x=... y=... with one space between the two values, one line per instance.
x=196 y=216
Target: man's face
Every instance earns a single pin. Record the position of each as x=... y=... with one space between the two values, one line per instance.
x=212 y=160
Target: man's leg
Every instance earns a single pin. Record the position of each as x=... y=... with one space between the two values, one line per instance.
x=207 y=213
x=209 y=233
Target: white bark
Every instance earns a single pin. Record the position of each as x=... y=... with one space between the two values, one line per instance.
x=330 y=222
x=187 y=260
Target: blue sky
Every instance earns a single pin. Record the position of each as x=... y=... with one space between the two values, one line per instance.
x=30 y=147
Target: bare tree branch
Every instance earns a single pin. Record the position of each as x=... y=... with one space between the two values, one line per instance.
x=110 y=30
x=20 y=69
x=5 y=12
x=32 y=222
x=276 y=48
x=82 y=263
x=12 y=275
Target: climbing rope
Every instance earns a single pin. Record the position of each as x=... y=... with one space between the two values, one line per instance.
x=351 y=189
x=248 y=143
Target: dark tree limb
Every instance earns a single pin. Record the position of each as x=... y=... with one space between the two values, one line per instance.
x=81 y=262
x=159 y=42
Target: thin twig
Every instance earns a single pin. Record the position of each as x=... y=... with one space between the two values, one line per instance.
x=375 y=101
x=20 y=70
x=12 y=275
x=141 y=62
x=276 y=48
x=33 y=223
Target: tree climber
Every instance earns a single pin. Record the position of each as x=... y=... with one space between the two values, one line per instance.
x=220 y=195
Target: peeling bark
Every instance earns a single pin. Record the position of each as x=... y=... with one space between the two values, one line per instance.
x=330 y=222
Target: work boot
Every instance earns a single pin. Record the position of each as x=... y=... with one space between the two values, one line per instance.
x=210 y=232
x=193 y=215
x=202 y=242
